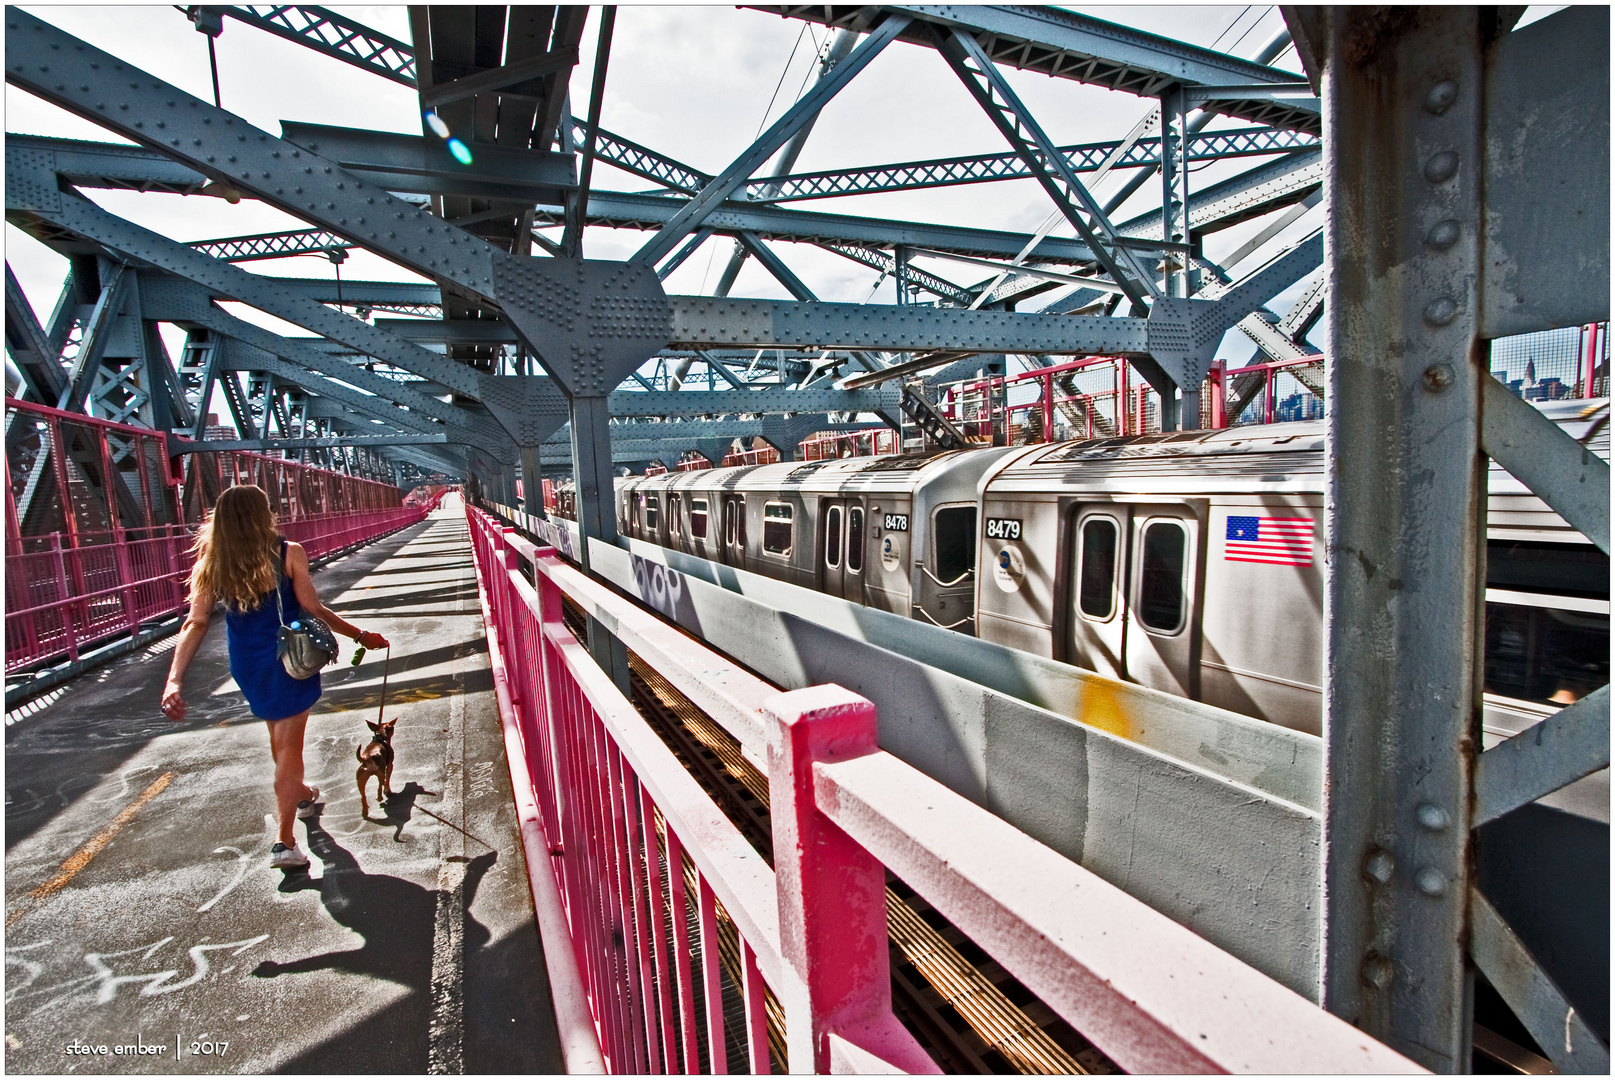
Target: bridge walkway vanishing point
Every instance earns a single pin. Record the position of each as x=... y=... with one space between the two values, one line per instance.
x=140 y=905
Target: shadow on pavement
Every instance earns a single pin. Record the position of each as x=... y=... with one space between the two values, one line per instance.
x=394 y=916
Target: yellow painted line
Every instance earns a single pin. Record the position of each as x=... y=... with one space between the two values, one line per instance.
x=81 y=858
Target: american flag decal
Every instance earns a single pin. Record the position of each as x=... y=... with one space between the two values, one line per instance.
x=1283 y=541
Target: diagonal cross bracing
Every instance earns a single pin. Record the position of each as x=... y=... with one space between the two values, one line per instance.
x=692 y=215
x=987 y=85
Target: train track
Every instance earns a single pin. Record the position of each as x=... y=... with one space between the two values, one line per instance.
x=970 y=1014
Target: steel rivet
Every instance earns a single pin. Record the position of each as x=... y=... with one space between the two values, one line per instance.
x=1443 y=234
x=1441 y=311
x=1431 y=882
x=1438 y=377
x=1432 y=817
x=1379 y=865
x=1378 y=972
x=1441 y=167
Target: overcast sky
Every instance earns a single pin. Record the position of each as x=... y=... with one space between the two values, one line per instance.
x=697 y=83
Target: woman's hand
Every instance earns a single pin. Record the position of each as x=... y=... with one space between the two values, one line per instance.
x=173 y=703
x=372 y=640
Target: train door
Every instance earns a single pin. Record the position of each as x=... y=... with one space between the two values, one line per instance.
x=1162 y=620
x=841 y=563
x=947 y=579
x=1098 y=578
x=734 y=530
x=1133 y=612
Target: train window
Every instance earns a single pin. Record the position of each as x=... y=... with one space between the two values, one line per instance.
x=740 y=522
x=832 y=537
x=651 y=507
x=1096 y=588
x=1160 y=589
x=698 y=518
x=777 y=528
x=675 y=514
x=1545 y=654
x=855 y=539
x=955 y=530
x=729 y=522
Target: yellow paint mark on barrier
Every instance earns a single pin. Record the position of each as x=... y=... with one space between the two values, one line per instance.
x=81 y=858
x=1098 y=706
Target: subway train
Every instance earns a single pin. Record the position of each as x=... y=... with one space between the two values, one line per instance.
x=1191 y=562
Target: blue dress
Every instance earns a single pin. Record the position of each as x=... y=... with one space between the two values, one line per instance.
x=254 y=637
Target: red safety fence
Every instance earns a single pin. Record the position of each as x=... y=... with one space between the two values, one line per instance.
x=98 y=539
x=651 y=901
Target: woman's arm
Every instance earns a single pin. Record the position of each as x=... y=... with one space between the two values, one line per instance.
x=303 y=586
x=190 y=640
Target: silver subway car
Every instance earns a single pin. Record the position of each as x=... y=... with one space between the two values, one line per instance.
x=1190 y=562
x=896 y=532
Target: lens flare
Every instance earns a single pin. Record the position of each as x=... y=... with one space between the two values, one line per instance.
x=439 y=128
x=461 y=152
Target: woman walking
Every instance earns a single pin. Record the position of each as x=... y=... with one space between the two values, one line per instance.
x=242 y=559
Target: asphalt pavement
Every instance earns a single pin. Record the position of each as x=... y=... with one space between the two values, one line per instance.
x=145 y=930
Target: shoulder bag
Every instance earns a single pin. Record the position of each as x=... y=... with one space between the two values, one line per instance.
x=307 y=645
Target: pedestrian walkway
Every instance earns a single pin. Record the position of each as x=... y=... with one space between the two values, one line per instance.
x=143 y=920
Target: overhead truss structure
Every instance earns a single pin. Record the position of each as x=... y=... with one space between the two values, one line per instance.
x=515 y=353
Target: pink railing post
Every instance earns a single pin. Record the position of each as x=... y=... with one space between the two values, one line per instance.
x=64 y=594
x=832 y=893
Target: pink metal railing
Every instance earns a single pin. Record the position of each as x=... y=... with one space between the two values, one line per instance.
x=857 y=443
x=84 y=583
x=1221 y=375
x=61 y=599
x=613 y=826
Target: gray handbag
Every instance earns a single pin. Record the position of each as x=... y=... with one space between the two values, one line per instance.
x=305 y=646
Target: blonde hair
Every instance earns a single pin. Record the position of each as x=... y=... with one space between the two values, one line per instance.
x=237 y=549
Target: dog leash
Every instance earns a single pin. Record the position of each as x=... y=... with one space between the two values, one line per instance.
x=386 y=662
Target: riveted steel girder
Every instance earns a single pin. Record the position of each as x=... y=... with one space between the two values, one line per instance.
x=415 y=163
x=700 y=321
x=775 y=400
x=1184 y=333
x=326 y=442
x=1406 y=492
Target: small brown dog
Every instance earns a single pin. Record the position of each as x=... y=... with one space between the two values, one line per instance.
x=376 y=759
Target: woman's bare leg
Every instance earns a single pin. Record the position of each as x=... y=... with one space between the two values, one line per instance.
x=286 y=746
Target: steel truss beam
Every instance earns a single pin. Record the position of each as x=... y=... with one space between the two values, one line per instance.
x=256 y=349
x=1066 y=45
x=1251 y=194
x=985 y=168
x=336 y=36
x=30 y=346
x=139 y=168
x=644 y=442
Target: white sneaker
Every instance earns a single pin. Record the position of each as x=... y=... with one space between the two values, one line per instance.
x=309 y=806
x=282 y=857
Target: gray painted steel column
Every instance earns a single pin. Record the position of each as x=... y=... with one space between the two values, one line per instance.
x=595 y=482
x=532 y=479
x=1402 y=111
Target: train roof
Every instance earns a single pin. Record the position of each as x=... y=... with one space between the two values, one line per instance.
x=1287 y=457
x=886 y=472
